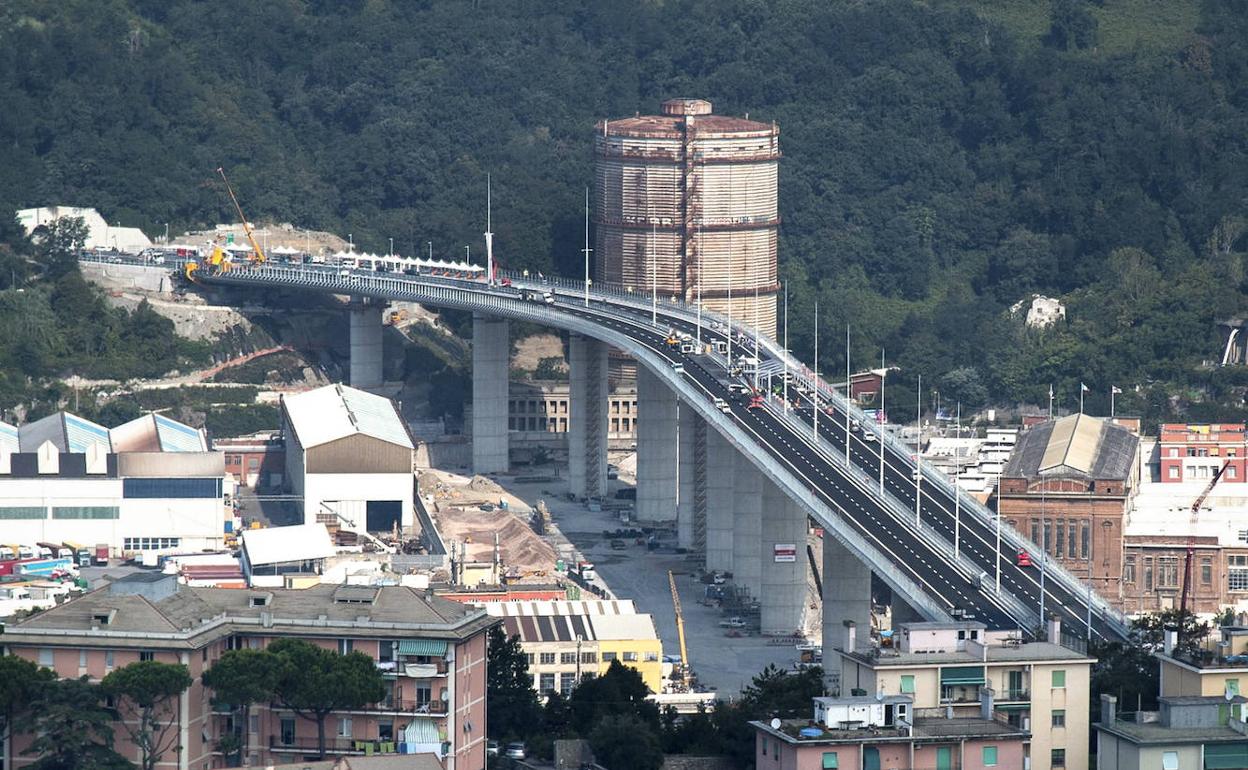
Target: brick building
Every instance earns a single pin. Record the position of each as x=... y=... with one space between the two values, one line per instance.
x=1195 y=452
x=1067 y=485
x=257 y=461
x=431 y=651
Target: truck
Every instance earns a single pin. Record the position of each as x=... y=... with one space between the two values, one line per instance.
x=81 y=554
x=57 y=550
x=585 y=571
x=44 y=567
x=101 y=554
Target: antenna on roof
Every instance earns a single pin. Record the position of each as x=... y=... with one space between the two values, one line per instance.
x=489 y=233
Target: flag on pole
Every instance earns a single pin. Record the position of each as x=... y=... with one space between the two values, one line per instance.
x=1083 y=388
x=1114 y=389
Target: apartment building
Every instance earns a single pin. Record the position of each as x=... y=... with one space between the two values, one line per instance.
x=869 y=733
x=1196 y=452
x=1037 y=687
x=1186 y=731
x=431 y=651
x=566 y=641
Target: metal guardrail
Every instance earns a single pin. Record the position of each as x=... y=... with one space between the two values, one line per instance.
x=485 y=298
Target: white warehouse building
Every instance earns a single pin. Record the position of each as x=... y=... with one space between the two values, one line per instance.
x=149 y=485
x=349 y=456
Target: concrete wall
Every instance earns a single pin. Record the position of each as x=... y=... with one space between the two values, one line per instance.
x=129 y=277
x=351 y=491
x=491 y=355
x=657 y=422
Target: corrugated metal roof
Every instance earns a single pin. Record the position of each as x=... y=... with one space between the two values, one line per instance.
x=623 y=627
x=9 y=441
x=81 y=434
x=176 y=437
x=67 y=432
x=336 y=411
x=1072 y=444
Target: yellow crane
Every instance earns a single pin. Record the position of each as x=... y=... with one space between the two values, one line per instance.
x=680 y=632
x=258 y=253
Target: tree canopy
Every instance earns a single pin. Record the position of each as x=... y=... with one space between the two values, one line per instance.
x=940 y=164
x=145 y=694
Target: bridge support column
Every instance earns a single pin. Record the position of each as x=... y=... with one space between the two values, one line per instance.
x=720 y=467
x=846 y=599
x=785 y=563
x=691 y=489
x=587 y=427
x=747 y=532
x=491 y=356
x=366 y=349
x=657 y=451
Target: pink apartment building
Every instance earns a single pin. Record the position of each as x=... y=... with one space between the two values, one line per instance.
x=875 y=732
x=431 y=651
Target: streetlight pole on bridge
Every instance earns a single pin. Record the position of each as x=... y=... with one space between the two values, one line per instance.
x=918 y=456
x=849 y=393
x=586 y=250
x=814 y=420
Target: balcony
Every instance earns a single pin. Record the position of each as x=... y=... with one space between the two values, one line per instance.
x=1021 y=694
x=333 y=745
x=433 y=708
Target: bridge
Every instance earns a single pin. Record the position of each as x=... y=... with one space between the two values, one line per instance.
x=741 y=476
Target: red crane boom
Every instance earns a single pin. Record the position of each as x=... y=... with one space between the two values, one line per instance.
x=1191 y=541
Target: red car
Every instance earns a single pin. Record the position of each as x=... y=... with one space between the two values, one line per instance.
x=1024 y=559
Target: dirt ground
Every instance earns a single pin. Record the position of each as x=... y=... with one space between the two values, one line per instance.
x=457 y=500
x=531 y=350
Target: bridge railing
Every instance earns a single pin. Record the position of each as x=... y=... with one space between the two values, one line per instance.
x=355 y=279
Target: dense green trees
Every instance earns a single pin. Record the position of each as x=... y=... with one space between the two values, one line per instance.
x=241 y=679
x=939 y=166
x=145 y=695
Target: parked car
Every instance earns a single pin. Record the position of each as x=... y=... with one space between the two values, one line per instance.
x=515 y=751
x=491 y=748
x=618 y=545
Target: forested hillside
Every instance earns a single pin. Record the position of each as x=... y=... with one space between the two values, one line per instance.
x=943 y=160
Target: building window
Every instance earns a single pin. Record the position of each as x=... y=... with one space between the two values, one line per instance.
x=108 y=660
x=567 y=658
x=1048 y=537
x=547 y=685
x=1059 y=547
x=1206 y=571
x=652 y=657
x=344 y=727
x=1070 y=549
x=45 y=657
x=1057 y=758
x=529 y=657
x=170 y=488
x=145 y=655
x=1169 y=760
x=630 y=657
x=1167 y=572
x=1148 y=574
x=990 y=756
x=1237 y=573
x=547 y=659
x=607 y=657
x=1230 y=471
x=1035 y=531
x=288 y=730
x=1174 y=471
x=566 y=683
x=345 y=646
x=829 y=760
x=1128 y=570
x=907 y=684
x=1059 y=717
x=1059 y=678
x=150 y=543
x=385 y=730
x=86 y=512
x=24 y=512
x=589 y=657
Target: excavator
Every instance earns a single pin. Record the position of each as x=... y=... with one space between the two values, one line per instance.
x=219 y=260
x=1191 y=544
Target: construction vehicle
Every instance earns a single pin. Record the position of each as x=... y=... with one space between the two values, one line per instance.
x=684 y=672
x=396 y=317
x=257 y=255
x=672 y=341
x=1191 y=544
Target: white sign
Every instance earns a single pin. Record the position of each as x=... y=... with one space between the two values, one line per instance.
x=785 y=552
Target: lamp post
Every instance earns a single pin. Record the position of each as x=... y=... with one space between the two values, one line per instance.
x=391 y=255
x=814 y=419
x=883 y=417
x=586 y=250
x=654 y=276
x=849 y=392
x=785 y=384
x=918 y=456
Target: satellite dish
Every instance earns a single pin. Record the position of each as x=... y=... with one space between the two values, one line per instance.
x=775 y=723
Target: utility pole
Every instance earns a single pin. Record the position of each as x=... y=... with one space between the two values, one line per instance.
x=785 y=384
x=849 y=390
x=586 y=250
x=918 y=457
x=882 y=418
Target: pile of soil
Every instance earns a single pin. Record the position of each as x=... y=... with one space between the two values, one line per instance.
x=521 y=548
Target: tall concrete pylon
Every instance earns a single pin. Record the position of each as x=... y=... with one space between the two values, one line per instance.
x=846 y=599
x=587 y=426
x=491 y=357
x=691 y=481
x=786 y=567
x=657 y=450
x=720 y=467
x=366 y=343
x=747 y=529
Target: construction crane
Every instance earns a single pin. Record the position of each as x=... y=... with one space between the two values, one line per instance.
x=1191 y=543
x=684 y=670
x=258 y=255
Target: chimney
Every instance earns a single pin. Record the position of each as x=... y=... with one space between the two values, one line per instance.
x=1171 y=637
x=985 y=703
x=1053 y=629
x=1109 y=709
x=851 y=636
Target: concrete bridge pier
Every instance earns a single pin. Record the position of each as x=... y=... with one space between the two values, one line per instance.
x=657 y=450
x=691 y=479
x=720 y=467
x=747 y=533
x=587 y=425
x=785 y=564
x=846 y=600
x=491 y=356
x=366 y=343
